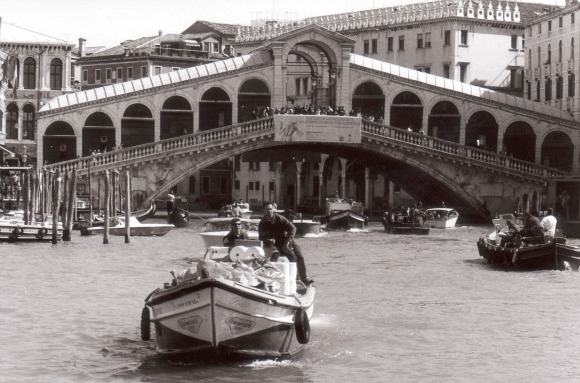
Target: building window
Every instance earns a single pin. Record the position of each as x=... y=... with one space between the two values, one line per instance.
x=401 y=43
x=549 y=25
x=529 y=90
x=28 y=122
x=254 y=185
x=514 y=42
x=97 y=75
x=539 y=28
x=223 y=185
x=143 y=71
x=447 y=38
x=236 y=184
x=216 y=47
x=539 y=57
x=130 y=73
x=538 y=91
x=420 y=41
x=206 y=47
x=29 y=75
x=297 y=81
x=175 y=69
x=85 y=76
x=156 y=70
x=272 y=186
x=366 y=47
x=56 y=74
x=374 y=46
x=571 y=84
x=120 y=74
x=548 y=90
x=463 y=37
x=560 y=21
x=12 y=121
x=205 y=185
x=305 y=86
x=253 y=165
x=428 y=40
x=559 y=87
x=463 y=72
x=271 y=166
x=446 y=72
x=572 y=18
x=572 y=49
x=390 y=44
x=109 y=74
x=523 y=42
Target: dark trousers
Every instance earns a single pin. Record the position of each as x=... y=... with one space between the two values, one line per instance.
x=294 y=254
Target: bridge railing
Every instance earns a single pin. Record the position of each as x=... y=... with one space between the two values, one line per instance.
x=458 y=150
x=189 y=141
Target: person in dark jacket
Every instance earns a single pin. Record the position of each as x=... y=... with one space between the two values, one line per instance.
x=276 y=231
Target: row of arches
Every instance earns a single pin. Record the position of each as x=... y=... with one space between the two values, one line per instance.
x=176 y=117
x=13 y=116
x=29 y=73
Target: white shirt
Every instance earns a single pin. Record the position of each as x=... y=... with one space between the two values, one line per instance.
x=549 y=224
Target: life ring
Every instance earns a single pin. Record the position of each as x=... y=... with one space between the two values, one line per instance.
x=302 y=326
x=145 y=324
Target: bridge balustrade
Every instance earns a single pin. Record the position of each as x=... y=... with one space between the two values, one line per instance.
x=454 y=149
x=263 y=126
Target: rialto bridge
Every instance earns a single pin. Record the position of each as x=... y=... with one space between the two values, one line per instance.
x=436 y=138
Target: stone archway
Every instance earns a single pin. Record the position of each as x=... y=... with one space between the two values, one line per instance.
x=481 y=131
x=558 y=151
x=98 y=134
x=137 y=126
x=369 y=100
x=176 y=118
x=59 y=143
x=519 y=141
x=444 y=121
x=407 y=111
x=215 y=109
x=254 y=94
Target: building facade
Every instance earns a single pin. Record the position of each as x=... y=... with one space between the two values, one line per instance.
x=37 y=69
x=552 y=64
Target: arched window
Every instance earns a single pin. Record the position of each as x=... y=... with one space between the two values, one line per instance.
x=12 y=121
x=560 y=51
x=56 y=74
x=539 y=57
x=572 y=49
x=29 y=75
x=549 y=59
x=28 y=122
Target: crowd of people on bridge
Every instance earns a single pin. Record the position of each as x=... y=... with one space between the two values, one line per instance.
x=309 y=109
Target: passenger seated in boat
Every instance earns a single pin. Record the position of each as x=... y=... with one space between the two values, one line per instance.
x=278 y=232
x=236 y=232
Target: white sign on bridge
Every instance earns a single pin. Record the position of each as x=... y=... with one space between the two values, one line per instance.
x=309 y=128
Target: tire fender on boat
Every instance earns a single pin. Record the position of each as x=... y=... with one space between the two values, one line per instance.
x=302 y=326
x=42 y=232
x=145 y=324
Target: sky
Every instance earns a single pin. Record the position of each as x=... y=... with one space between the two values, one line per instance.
x=109 y=22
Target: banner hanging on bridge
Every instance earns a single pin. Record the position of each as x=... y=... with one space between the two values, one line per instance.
x=314 y=128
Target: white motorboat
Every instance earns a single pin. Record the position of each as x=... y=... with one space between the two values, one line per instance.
x=441 y=217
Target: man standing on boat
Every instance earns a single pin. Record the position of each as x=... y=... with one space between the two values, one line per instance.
x=549 y=223
x=276 y=231
x=236 y=232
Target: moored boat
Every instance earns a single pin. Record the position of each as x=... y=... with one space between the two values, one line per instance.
x=136 y=228
x=230 y=306
x=505 y=246
x=238 y=209
x=441 y=217
x=17 y=231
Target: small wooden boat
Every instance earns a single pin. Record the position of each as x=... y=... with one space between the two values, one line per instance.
x=215 y=229
x=230 y=306
x=507 y=247
x=178 y=217
x=441 y=217
x=136 y=228
x=344 y=220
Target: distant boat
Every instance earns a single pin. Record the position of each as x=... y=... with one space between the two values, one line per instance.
x=344 y=220
x=304 y=224
x=401 y=224
x=228 y=210
x=441 y=217
x=136 y=228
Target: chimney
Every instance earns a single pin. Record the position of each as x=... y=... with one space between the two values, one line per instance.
x=160 y=32
x=82 y=47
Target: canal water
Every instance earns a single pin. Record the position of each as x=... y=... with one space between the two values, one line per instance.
x=389 y=308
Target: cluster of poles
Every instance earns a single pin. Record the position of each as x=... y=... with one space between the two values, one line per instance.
x=47 y=194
